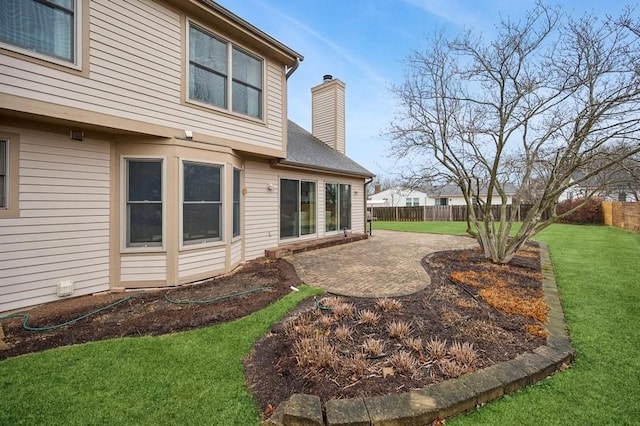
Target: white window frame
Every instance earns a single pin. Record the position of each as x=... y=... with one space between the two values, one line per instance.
x=192 y=245
x=228 y=108
x=76 y=64
x=339 y=206
x=4 y=190
x=237 y=236
x=124 y=178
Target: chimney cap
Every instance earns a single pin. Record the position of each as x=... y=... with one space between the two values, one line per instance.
x=327 y=77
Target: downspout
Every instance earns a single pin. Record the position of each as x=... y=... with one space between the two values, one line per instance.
x=293 y=68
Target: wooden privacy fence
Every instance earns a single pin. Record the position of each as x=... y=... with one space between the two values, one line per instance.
x=622 y=215
x=437 y=213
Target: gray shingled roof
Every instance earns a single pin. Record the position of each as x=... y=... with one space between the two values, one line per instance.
x=305 y=150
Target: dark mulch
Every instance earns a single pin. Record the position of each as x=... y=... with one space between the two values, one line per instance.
x=445 y=310
x=149 y=313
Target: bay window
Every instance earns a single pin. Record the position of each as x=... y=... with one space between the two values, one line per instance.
x=236 y=202
x=144 y=202
x=202 y=203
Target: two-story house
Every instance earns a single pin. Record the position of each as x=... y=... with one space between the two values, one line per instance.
x=145 y=143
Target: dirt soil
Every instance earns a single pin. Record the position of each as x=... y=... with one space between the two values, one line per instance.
x=149 y=313
x=453 y=312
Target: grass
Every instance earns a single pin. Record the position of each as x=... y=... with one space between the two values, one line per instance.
x=194 y=377
x=597 y=270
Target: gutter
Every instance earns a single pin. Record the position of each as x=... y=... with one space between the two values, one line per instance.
x=285 y=164
x=294 y=67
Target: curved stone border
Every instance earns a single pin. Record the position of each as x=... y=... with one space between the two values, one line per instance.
x=448 y=398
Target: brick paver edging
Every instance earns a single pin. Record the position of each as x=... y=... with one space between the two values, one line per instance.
x=448 y=398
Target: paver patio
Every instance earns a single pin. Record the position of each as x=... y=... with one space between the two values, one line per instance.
x=385 y=265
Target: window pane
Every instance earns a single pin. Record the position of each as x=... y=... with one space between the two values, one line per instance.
x=145 y=223
x=331 y=207
x=236 y=202
x=3 y=157
x=289 y=192
x=201 y=182
x=39 y=27
x=247 y=100
x=144 y=180
x=207 y=87
x=307 y=208
x=345 y=206
x=247 y=69
x=207 y=51
x=201 y=221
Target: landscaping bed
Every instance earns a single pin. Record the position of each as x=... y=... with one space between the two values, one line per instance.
x=256 y=284
x=473 y=315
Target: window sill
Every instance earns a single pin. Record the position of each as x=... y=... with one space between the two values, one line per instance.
x=212 y=108
x=143 y=250
x=202 y=245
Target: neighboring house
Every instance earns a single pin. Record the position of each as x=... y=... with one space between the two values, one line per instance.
x=146 y=144
x=451 y=195
x=398 y=197
x=625 y=188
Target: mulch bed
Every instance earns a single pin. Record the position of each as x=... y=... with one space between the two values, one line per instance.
x=447 y=310
x=149 y=313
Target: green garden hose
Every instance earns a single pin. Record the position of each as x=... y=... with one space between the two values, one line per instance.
x=25 y=317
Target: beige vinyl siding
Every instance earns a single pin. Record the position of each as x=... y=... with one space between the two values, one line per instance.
x=323 y=120
x=262 y=206
x=63 y=229
x=136 y=72
x=236 y=253
x=148 y=267
x=260 y=209
x=201 y=262
x=340 y=122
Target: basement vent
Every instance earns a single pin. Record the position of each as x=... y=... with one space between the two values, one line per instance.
x=65 y=288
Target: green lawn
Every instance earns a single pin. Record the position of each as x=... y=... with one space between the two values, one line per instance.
x=196 y=377
x=188 y=378
x=598 y=274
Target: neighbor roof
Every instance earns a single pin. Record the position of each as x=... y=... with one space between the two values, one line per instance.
x=305 y=150
x=455 y=191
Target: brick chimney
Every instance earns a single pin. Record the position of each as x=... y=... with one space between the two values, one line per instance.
x=327 y=113
x=377 y=188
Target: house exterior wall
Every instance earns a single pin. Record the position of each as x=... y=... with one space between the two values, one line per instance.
x=136 y=73
x=62 y=230
x=262 y=217
x=395 y=197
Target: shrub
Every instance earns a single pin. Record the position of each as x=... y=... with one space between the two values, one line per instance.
x=436 y=348
x=368 y=317
x=388 y=305
x=315 y=353
x=590 y=212
x=343 y=333
x=403 y=362
x=414 y=343
x=399 y=329
x=373 y=347
x=464 y=354
x=343 y=310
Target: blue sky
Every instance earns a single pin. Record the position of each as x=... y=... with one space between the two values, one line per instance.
x=363 y=43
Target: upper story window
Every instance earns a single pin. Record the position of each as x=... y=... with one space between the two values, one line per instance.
x=45 y=27
x=223 y=75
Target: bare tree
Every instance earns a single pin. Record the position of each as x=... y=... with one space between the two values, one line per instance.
x=530 y=107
